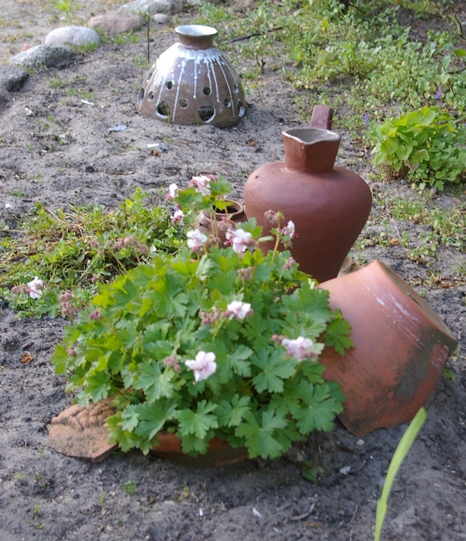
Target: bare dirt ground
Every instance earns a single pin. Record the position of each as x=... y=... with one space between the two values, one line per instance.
x=74 y=159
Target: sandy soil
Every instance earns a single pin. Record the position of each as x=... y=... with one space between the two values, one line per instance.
x=74 y=159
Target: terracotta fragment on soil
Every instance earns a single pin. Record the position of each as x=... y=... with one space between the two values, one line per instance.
x=79 y=432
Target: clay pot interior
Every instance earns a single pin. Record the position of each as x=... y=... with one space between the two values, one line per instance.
x=312 y=135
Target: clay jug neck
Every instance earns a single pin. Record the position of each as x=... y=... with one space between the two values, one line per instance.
x=196 y=36
x=310 y=150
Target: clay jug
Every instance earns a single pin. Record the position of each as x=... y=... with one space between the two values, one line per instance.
x=400 y=348
x=329 y=205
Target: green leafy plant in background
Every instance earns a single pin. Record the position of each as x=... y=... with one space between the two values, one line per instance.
x=426 y=145
x=382 y=68
x=73 y=251
x=216 y=340
x=68 y=8
x=400 y=453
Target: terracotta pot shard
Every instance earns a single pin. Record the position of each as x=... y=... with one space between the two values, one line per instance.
x=400 y=348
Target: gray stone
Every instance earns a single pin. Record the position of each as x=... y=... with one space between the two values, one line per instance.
x=79 y=36
x=43 y=56
x=161 y=18
x=113 y=24
x=4 y=95
x=12 y=77
x=142 y=7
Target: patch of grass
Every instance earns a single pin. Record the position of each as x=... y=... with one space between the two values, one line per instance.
x=418 y=226
x=74 y=250
x=129 y=487
x=366 y=52
x=59 y=83
x=140 y=62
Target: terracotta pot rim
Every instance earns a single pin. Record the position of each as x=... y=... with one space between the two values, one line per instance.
x=239 y=209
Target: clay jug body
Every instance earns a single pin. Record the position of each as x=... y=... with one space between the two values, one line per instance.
x=400 y=348
x=329 y=205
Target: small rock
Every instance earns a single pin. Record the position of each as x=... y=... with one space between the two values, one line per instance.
x=10 y=344
x=12 y=77
x=42 y=56
x=114 y=24
x=170 y=7
x=79 y=36
x=407 y=518
x=161 y=18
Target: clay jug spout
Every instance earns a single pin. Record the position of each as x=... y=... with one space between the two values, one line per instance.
x=310 y=150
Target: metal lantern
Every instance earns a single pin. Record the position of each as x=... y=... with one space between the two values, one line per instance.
x=193 y=83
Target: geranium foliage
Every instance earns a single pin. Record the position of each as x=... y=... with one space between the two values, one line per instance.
x=212 y=344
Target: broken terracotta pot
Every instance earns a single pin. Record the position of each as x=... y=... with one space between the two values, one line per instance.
x=400 y=348
x=193 y=83
x=79 y=432
x=219 y=453
x=216 y=222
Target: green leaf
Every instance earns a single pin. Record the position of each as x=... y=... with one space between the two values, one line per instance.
x=273 y=367
x=193 y=445
x=318 y=410
x=323 y=58
x=388 y=147
x=60 y=359
x=337 y=334
x=261 y=437
x=419 y=156
x=197 y=422
x=98 y=386
x=231 y=412
x=238 y=360
x=400 y=453
x=152 y=418
x=155 y=383
x=125 y=439
x=130 y=418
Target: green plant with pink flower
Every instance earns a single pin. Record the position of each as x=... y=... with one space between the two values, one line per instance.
x=214 y=341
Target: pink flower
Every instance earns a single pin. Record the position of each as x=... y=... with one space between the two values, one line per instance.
x=196 y=240
x=289 y=230
x=204 y=365
x=299 y=348
x=202 y=184
x=289 y=263
x=239 y=239
x=239 y=309
x=35 y=288
x=177 y=217
x=172 y=191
